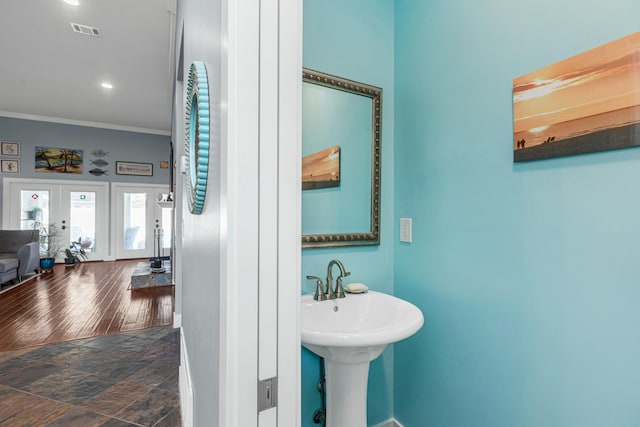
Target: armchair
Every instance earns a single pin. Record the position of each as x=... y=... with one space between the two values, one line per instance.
x=19 y=254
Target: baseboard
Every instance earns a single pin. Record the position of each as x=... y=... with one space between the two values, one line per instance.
x=186 y=392
x=392 y=422
x=177 y=320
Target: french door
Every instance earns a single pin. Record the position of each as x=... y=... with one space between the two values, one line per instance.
x=78 y=208
x=143 y=225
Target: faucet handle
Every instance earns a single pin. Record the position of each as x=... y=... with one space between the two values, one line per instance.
x=319 y=295
x=339 y=289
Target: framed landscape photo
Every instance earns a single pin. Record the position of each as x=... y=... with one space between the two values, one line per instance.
x=58 y=160
x=586 y=103
x=131 y=168
x=10 y=166
x=10 y=148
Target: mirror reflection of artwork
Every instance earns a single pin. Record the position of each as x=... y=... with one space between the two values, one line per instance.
x=321 y=169
x=589 y=102
x=58 y=160
x=345 y=119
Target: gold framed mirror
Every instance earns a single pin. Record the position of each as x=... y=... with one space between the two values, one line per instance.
x=341 y=140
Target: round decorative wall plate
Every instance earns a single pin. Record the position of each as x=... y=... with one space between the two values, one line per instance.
x=197 y=136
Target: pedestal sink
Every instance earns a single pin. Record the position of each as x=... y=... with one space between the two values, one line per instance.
x=349 y=333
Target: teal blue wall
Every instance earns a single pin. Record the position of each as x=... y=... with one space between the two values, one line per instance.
x=527 y=274
x=354 y=40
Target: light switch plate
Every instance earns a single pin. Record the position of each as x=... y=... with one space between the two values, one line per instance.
x=406 y=230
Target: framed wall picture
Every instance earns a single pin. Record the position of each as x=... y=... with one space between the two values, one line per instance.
x=10 y=166
x=58 y=160
x=586 y=103
x=131 y=168
x=10 y=148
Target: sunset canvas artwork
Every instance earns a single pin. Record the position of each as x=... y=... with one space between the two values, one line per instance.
x=321 y=169
x=589 y=102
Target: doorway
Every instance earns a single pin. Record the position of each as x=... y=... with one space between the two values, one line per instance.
x=78 y=208
x=142 y=223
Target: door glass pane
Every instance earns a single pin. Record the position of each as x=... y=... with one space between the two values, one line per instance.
x=83 y=219
x=34 y=207
x=135 y=215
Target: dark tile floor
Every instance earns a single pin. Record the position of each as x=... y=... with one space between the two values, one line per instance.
x=128 y=379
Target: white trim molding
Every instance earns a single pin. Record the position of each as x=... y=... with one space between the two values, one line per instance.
x=184 y=382
x=177 y=320
x=289 y=209
x=84 y=123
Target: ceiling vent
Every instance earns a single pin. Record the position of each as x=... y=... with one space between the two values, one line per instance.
x=85 y=29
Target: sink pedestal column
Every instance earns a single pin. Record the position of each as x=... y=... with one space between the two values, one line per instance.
x=346 y=387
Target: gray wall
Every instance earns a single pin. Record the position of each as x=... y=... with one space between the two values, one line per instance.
x=121 y=146
x=201 y=247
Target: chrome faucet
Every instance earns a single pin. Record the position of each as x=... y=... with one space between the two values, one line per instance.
x=339 y=291
x=330 y=293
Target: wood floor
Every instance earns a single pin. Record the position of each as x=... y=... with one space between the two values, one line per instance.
x=91 y=299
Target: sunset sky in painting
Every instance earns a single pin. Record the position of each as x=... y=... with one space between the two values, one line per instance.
x=603 y=79
x=322 y=166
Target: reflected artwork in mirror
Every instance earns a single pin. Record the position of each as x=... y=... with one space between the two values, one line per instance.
x=341 y=130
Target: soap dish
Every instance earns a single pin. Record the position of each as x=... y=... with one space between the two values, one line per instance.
x=356 y=288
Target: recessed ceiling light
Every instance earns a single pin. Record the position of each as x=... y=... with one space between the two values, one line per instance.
x=72 y=2
x=106 y=85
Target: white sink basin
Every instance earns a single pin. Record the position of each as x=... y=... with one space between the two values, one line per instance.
x=364 y=322
x=348 y=333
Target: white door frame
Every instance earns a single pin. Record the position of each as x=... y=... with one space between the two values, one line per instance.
x=279 y=196
x=102 y=203
x=115 y=214
x=259 y=213
x=263 y=79
x=289 y=207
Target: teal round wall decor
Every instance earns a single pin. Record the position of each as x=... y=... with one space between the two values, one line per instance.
x=197 y=136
